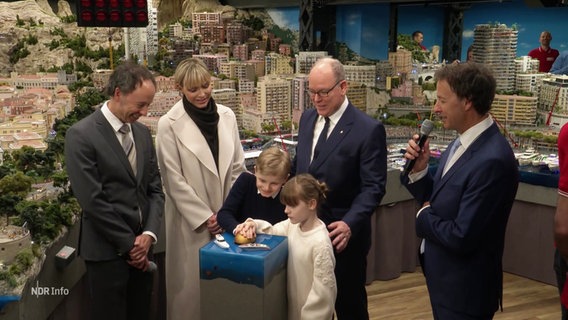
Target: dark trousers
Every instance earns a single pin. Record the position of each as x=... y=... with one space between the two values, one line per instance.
x=560 y=269
x=350 y=274
x=118 y=291
x=441 y=313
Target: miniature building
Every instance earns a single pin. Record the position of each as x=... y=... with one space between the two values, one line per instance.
x=306 y=59
x=13 y=239
x=273 y=99
x=496 y=47
x=278 y=64
x=202 y=18
x=228 y=98
x=514 y=109
x=361 y=74
x=401 y=61
x=554 y=99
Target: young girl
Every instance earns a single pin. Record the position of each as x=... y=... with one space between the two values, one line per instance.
x=256 y=196
x=311 y=279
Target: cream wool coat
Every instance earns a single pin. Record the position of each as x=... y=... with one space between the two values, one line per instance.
x=194 y=189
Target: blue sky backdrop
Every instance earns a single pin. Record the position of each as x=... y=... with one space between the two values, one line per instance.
x=365 y=27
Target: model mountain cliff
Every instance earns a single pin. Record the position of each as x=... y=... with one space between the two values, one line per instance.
x=22 y=20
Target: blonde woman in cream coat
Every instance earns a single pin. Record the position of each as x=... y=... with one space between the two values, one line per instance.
x=200 y=156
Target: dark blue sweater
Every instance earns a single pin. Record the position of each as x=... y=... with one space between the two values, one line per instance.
x=244 y=201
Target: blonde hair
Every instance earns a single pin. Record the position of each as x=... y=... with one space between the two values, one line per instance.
x=303 y=187
x=273 y=161
x=191 y=73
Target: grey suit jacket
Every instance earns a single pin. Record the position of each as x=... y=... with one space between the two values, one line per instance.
x=111 y=196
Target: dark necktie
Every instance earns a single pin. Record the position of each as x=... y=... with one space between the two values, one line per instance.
x=322 y=138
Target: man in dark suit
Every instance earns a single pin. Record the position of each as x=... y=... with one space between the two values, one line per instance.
x=350 y=157
x=466 y=204
x=111 y=162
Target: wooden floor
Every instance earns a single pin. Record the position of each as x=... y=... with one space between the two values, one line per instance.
x=406 y=298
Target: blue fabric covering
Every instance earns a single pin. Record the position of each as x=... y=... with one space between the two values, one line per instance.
x=256 y=267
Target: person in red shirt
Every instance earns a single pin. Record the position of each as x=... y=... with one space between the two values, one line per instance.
x=561 y=222
x=545 y=54
x=418 y=37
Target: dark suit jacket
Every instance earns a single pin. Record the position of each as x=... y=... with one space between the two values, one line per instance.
x=107 y=190
x=464 y=226
x=352 y=163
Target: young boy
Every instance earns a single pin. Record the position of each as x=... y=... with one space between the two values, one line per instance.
x=257 y=196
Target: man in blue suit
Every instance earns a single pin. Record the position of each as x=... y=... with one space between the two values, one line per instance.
x=466 y=204
x=345 y=148
x=560 y=65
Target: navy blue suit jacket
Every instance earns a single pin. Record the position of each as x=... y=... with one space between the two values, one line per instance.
x=464 y=227
x=352 y=163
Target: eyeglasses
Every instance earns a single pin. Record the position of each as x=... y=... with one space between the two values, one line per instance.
x=322 y=93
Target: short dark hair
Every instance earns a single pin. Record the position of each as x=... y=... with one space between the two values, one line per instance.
x=472 y=81
x=415 y=33
x=127 y=77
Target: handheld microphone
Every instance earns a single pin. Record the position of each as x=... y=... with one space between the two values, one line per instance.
x=152 y=267
x=425 y=130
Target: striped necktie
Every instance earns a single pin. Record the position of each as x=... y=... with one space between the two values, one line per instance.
x=128 y=146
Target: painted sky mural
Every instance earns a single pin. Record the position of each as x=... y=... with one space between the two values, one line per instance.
x=364 y=28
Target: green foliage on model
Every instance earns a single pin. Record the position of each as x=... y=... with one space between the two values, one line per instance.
x=18 y=51
x=19 y=22
x=286 y=35
x=406 y=41
x=54 y=44
x=186 y=23
x=22 y=262
x=267 y=128
x=45 y=219
x=428 y=86
x=535 y=136
x=14 y=187
x=393 y=121
x=69 y=19
x=247 y=134
x=31 y=39
x=344 y=53
x=254 y=22
x=286 y=126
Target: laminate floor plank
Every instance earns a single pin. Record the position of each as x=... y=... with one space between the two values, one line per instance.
x=406 y=298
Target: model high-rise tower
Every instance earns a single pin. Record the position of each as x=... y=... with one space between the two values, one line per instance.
x=495 y=45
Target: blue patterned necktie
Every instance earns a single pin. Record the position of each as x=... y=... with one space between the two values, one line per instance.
x=455 y=146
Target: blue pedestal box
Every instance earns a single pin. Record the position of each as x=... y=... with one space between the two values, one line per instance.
x=247 y=283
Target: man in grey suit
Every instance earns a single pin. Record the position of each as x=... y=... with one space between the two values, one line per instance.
x=111 y=163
